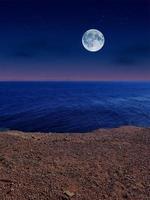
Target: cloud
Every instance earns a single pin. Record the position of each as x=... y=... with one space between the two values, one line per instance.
x=23 y=54
x=32 y=49
x=133 y=54
x=46 y=49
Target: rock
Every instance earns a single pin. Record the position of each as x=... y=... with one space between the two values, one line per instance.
x=69 y=194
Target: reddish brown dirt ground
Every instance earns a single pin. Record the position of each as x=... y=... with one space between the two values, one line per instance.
x=105 y=164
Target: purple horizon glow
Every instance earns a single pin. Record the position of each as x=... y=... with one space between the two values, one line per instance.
x=73 y=75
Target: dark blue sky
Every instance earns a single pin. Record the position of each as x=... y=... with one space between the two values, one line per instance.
x=41 y=40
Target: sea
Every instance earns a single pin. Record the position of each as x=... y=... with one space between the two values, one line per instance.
x=73 y=107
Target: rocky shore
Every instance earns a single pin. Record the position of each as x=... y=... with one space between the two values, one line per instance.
x=111 y=164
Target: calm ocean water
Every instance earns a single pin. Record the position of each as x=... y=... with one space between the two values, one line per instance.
x=73 y=106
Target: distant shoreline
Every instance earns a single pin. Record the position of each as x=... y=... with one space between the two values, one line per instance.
x=74 y=133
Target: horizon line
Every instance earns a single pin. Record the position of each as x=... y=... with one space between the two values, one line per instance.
x=75 y=80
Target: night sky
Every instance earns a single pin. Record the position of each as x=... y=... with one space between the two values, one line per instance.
x=41 y=40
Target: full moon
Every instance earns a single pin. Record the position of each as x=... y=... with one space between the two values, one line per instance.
x=93 y=40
